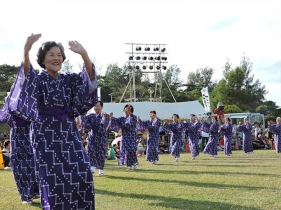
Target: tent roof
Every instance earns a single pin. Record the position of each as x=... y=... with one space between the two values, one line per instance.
x=163 y=110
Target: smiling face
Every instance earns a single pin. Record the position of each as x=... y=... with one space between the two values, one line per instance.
x=98 y=108
x=53 y=61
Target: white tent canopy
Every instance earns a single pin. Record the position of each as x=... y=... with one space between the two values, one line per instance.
x=163 y=110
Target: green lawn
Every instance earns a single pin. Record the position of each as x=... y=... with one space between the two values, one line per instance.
x=238 y=182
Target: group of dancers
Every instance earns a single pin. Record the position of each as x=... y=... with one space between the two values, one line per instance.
x=48 y=160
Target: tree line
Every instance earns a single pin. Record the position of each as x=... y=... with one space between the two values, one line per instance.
x=238 y=90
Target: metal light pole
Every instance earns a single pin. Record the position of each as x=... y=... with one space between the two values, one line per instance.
x=110 y=97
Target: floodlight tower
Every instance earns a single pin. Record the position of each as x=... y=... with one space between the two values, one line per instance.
x=153 y=60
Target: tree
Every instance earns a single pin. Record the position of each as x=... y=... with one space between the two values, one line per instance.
x=202 y=77
x=238 y=87
x=232 y=109
x=7 y=77
x=67 y=68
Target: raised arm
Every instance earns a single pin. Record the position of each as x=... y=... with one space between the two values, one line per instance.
x=27 y=47
x=78 y=48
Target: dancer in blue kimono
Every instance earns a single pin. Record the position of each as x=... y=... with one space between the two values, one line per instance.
x=177 y=128
x=193 y=135
x=22 y=157
x=96 y=124
x=128 y=125
x=213 y=129
x=226 y=131
x=52 y=101
x=276 y=130
x=153 y=136
x=246 y=129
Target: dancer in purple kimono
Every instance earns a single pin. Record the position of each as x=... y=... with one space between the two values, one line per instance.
x=52 y=101
x=276 y=130
x=97 y=138
x=226 y=130
x=22 y=157
x=193 y=135
x=153 y=135
x=213 y=129
x=246 y=129
x=128 y=125
x=176 y=128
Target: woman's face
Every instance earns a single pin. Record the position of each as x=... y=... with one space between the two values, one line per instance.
x=127 y=110
x=151 y=115
x=213 y=119
x=53 y=60
x=98 y=108
x=175 y=118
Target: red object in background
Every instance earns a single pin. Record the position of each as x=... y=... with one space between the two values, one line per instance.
x=187 y=147
x=222 y=142
x=217 y=112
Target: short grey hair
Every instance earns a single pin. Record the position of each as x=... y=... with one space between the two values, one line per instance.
x=278 y=119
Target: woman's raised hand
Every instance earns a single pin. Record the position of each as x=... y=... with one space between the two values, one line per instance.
x=30 y=41
x=111 y=115
x=76 y=47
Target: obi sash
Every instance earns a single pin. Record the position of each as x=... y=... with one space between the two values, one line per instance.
x=60 y=113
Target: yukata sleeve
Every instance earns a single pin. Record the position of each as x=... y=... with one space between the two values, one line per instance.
x=240 y=128
x=24 y=96
x=194 y=127
x=214 y=127
x=274 y=128
x=142 y=125
x=223 y=129
x=166 y=127
x=84 y=91
x=114 y=124
x=4 y=114
x=104 y=121
x=86 y=122
x=205 y=127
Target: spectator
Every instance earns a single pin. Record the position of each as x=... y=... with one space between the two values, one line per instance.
x=6 y=155
x=205 y=137
x=116 y=151
x=141 y=148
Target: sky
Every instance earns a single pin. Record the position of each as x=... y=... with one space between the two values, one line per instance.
x=198 y=33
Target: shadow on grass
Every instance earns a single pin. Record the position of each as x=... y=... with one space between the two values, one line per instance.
x=194 y=184
x=188 y=171
x=175 y=203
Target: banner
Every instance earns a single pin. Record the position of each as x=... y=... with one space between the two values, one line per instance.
x=206 y=99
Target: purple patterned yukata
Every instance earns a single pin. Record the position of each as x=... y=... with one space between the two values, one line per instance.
x=246 y=129
x=276 y=129
x=212 y=128
x=177 y=130
x=22 y=157
x=152 y=138
x=128 y=148
x=97 y=138
x=226 y=130
x=66 y=181
x=193 y=137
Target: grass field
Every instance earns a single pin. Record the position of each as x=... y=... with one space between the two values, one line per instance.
x=238 y=182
